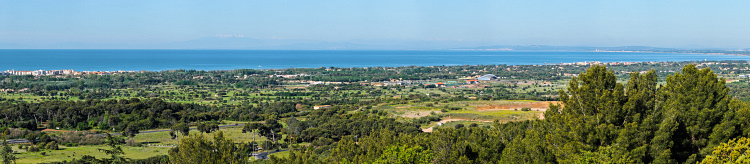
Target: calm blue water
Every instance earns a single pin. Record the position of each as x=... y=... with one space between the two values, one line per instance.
x=155 y=60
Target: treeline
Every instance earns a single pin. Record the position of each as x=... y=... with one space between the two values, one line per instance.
x=335 y=124
x=106 y=114
x=140 y=113
x=600 y=121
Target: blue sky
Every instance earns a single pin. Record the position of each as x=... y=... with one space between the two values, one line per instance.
x=149 y=24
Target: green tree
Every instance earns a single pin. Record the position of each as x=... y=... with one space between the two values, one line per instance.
x=208 y=127
x=130 y=131
x=181 y=128
x=114 y=151
x=199 y=149
x=734 y=151
x=7 y=151
x=592 y=112
x=405 y=154
x=695 y=101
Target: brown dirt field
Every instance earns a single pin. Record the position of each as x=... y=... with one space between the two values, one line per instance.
x=541 y=105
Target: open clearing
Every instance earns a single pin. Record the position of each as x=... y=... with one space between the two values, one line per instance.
x=513 y=105
x=479 y=112
x=157 y=143
x=69 y=153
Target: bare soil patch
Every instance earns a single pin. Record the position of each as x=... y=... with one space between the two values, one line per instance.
x=417 y=114
x=534 y=105
x=446 y=120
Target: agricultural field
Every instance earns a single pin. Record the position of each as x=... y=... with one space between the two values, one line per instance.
x=467 y=112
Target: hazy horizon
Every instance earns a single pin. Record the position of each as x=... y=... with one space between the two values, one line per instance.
x=380 y=25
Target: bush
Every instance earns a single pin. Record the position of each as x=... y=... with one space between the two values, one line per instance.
x=32 y=149
x=52 y=146
x=41 y=144
x=459 y=126
x=321 y=142
x=526 y=109
x=83 y=138
x=133 y=143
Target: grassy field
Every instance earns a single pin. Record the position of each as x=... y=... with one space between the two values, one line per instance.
x=154 y=144
x=163 y=138
x=70 y=153
x=480 y=112
x=281 y=154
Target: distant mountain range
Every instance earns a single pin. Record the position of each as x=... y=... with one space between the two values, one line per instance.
x=567 y=48
x=609 y=49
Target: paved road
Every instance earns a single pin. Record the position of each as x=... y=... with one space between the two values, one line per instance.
x=17 y=141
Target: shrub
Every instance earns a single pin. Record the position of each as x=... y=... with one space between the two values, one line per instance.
x=32 y=149
x=84 y=138
x=321 y=142
x=41 y=144
x=133 y=143
x=52 y=146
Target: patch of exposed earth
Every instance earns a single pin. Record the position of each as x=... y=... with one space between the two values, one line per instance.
x=535 y=105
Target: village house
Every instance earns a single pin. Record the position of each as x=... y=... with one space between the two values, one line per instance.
x=440 y=84
x=472 y=81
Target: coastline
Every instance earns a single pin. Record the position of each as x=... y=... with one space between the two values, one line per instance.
x=210 y=60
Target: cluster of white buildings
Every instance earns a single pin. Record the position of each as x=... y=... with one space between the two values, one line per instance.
x=288 y=76
x=60 y=72
x=40 y=72
x=603 y=63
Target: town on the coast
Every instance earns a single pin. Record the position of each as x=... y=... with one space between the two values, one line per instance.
x=59 y=72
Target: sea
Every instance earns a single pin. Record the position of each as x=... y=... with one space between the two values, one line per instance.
x=159 y=60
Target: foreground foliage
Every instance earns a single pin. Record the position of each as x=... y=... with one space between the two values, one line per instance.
x=199 y=149
x=735 y=151
x=600 y=121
